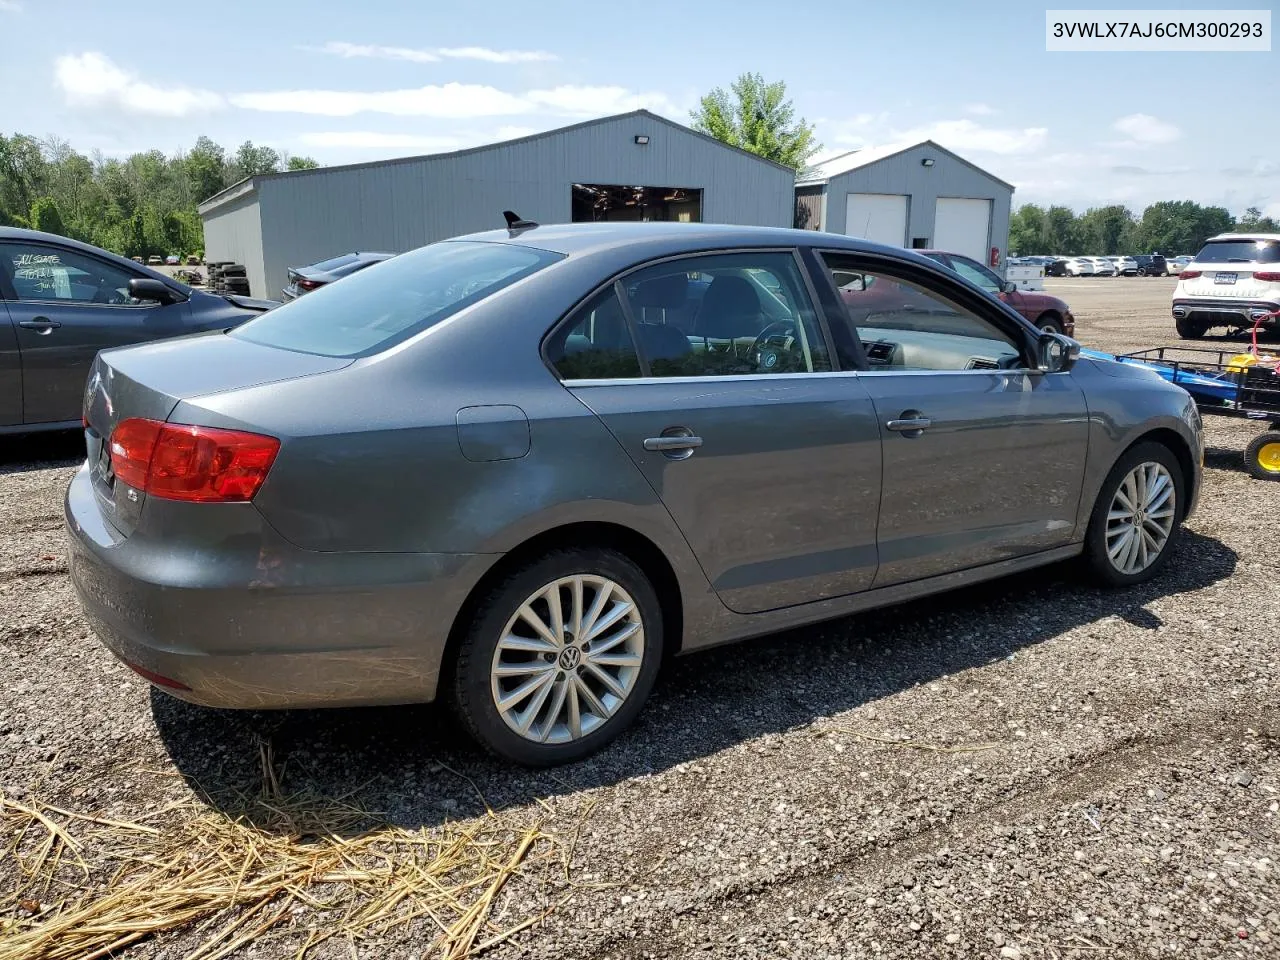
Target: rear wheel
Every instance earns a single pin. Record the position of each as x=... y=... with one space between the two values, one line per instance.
x=1136 y=516
x=1262 y=456
x=1189 y=329
x=560 y=657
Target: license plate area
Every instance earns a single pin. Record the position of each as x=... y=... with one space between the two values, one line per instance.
x=1225 y=277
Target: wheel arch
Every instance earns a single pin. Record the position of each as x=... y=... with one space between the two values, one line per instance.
x=590 y=533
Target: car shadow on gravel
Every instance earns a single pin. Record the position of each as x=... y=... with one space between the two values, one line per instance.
x=414 y=767
x=39 y=451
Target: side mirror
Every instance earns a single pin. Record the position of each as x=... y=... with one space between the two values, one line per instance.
x=1008 y=287
x=145 y=288
x=1056 y=353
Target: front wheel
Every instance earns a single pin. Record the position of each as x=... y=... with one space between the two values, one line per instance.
x=1262 y=456
x=560 y=657
x=1136 y=516
x=1049 y=323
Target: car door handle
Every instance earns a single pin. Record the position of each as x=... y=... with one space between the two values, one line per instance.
x=666 y=444
x=41 y=325
x=909 y=424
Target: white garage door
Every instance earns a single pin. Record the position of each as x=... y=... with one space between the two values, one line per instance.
x=881 y=217
x=961 y=225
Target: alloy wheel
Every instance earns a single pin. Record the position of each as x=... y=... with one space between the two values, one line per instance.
x=1141 y=518
x=568 y=658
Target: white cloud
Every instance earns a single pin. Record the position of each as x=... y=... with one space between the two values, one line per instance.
x=496 y=56
x=962 y=135
x=980 y=109
x=599 y=101
x=452 y=100
x=1144 y=128
x=373 y=140
x=455 y=100
x=340 y=48
x=10 y=6
x=93 y=80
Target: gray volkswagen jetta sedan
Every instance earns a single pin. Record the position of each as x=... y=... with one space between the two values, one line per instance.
x=516 y=470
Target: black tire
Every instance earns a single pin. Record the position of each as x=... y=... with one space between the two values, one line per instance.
x=1189 y=329
x=1049 y=323
x=1095 y=544
x=236 y=271
x=1263 y=466
x=469 y=688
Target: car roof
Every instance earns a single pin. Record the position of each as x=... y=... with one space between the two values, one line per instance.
x=1245 y=236
x=585 y=238
x=38 y=236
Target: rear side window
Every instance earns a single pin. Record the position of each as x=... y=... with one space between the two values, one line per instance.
x=595 y=343
x=1240 y=251
x=374 y=309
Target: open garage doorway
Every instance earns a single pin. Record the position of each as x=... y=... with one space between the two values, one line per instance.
x=602 y=201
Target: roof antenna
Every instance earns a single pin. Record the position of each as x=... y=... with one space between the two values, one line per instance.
x=514 y=222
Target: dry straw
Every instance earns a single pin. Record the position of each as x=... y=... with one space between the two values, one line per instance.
x=298 y=868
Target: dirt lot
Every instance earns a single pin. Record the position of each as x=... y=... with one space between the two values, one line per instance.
x=1036 y=768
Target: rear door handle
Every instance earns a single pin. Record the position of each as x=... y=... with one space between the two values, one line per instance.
x=39 y=324
x=912 y=425
x=664 y=444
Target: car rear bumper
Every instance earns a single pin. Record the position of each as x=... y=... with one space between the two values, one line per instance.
x=1224 y=310
x=255 y=622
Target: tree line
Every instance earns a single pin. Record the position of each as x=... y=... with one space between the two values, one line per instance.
x=140 y=206
x=1170 y=227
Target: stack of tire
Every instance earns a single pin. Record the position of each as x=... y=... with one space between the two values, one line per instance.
x=228 y=277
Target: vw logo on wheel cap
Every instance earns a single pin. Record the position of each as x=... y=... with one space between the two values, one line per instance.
x=570 y=657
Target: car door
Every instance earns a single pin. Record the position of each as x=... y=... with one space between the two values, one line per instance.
x=983 y=455
x=65 y=306
x=767 y=460
x=10 y=366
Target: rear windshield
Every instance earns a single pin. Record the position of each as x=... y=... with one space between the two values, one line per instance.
x=1240 y=251
x=376 y=308
x=336 y=262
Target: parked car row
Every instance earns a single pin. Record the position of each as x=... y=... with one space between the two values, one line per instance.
x=1144 y=265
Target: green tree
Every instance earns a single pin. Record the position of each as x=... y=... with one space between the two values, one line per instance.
x=1106 y=230
x=301 y=163
x=206 y=169
x=1254 y=222
x=758 y=117
x=1062 y=231
x=1028 y=235
x=46 y=216
x=251 y=161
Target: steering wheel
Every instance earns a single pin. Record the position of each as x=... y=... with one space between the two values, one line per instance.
x=773 y=343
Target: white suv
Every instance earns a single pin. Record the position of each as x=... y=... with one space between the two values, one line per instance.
x=1233 y=280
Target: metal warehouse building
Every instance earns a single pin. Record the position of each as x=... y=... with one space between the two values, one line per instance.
x=634 y=166
x=916 y=195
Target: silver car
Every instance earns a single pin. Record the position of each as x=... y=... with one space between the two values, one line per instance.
x=516 y=470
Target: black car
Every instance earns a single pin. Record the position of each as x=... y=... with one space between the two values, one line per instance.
x=305 y=279
x=1055 y=267
x=62 y=301
x=1152 y=265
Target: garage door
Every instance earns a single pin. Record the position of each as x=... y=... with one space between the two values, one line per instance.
x=881 y=217
x=961 y=225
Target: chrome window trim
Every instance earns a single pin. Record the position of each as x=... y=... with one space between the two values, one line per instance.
x=790 y=377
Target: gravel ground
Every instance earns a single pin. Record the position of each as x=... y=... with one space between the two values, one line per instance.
x=1076 y=773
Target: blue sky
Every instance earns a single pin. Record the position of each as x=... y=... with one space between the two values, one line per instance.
x=344 y=81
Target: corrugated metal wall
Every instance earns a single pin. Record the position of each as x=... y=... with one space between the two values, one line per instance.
x=233 y=231
x=903 y=174
x=399 y=205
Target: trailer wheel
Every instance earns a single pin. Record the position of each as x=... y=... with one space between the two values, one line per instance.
x=1262 y=456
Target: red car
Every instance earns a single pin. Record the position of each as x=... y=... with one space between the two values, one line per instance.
x=1048 y=313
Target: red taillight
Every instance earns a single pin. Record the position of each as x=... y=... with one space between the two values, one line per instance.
x=309 y=284
x=156 y=678
x=182 y=462
x=1188 y=274
x=1267 y=276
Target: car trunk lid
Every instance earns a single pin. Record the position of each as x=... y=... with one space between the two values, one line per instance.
x=149 y=381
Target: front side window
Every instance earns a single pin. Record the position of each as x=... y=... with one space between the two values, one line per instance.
x=976 y=274
x=595 y=342
x=726 y=315
x=40 y=272
x=372 y=310
x=904 y=325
